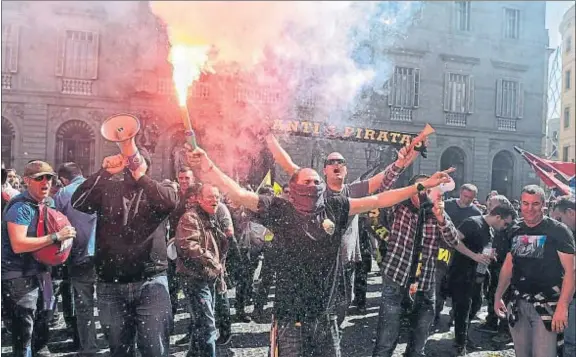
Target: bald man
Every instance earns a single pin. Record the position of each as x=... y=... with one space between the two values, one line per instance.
x=335 y=172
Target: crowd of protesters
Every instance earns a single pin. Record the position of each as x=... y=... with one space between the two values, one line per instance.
x=142 y=249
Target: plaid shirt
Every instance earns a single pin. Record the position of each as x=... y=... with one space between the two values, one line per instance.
x=403 y=221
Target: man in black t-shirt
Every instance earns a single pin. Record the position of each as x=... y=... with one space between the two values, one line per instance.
x=458 y=209
x=540 y=272
x=308 y=229
x=565 y=211
x=477 y=234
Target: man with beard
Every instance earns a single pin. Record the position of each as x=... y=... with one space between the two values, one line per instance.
x=539 y=269
x=307 y=228
x=416 y=227
x=131 y=258
x=565 y=212
x=335 y=172
x=26 y=283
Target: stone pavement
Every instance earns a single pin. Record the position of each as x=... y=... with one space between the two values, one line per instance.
x=250 y=340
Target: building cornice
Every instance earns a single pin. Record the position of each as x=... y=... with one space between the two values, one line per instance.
x=509 y=65
x=407 y=52
x=459 y=59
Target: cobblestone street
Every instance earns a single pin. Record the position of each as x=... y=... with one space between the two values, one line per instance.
x=250 y=339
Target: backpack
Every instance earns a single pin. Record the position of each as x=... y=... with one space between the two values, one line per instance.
x=49 y=221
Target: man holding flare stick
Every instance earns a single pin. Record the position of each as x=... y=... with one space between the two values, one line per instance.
x=309 y=227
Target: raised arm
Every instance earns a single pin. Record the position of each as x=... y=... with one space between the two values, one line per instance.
x=280 y=155
x=205 y=168
x=392 y=197
x=386 y=179
x=87 y=197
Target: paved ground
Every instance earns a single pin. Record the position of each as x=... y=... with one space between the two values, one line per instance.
x=250 y=340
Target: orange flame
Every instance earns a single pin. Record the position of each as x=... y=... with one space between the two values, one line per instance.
x=188 y=63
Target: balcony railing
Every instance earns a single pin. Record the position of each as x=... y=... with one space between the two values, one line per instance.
x=401 y=114
x=506 y=124
x=76 y=86
x=6 y=81
x=456 y=119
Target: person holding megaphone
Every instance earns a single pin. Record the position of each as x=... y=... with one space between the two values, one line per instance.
x=130 y=256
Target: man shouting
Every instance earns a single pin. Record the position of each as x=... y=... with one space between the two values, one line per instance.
x=308 y=227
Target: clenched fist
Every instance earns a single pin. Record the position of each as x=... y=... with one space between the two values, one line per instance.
x=114 y=164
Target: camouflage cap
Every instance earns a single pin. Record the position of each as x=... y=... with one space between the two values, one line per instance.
x=37 y=168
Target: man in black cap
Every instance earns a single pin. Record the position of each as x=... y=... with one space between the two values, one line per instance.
x=130 y=257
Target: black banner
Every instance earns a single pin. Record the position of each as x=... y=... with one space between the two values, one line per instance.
x=348 y=133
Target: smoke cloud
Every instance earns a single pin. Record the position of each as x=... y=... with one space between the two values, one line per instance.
x=328 y=52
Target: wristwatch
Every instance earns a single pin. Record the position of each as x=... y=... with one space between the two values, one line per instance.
x=420 y=187
x=54 y=238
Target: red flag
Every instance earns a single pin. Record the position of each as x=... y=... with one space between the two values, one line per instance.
x=545 y=171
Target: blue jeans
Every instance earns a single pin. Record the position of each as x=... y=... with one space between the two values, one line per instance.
x=390 y=314
x=530 y=336
x=20 y=299
x=142 y=309
x=201 y=303
x=570 y=332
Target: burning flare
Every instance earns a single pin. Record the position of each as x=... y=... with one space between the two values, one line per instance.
x=188 y=63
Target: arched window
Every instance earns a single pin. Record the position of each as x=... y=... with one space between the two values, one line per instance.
x=7 y=143
x=503 y=173
x=75 y=142
x=454 y=157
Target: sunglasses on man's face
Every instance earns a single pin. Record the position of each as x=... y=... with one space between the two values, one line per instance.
x=42 y=177
x=335 y=162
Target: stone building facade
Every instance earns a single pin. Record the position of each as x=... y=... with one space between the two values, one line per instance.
x=476 y=71
x=567 y=139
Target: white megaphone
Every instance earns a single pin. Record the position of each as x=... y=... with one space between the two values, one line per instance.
x=122 y=129
x=437 y=192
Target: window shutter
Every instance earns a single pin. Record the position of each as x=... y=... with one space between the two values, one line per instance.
x=416 y=99
x=520 y=101
x=470 y=95
x=15 y=44
x=60 y=54
x=94 y=55
x=498 y=108
x=392 y=89
x=446 y=92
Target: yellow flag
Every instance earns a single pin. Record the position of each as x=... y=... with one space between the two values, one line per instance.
x=277 y=189
x=267 y=180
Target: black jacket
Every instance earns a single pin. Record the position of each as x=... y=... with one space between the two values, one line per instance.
x=131 y=229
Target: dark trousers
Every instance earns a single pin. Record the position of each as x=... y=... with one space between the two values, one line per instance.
x=201 y=302
x=441 y=276
x=24 y=306
x=492 y=319
x=361 y=271
x=20 y=298
x=244 y=276
x=390 y=314
x=77 y=290
x=267 y=277
x=223 y=319
x=466 y=302
x=136 y=314
x=344 y=299
x=173 y=286
x=316 y=338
